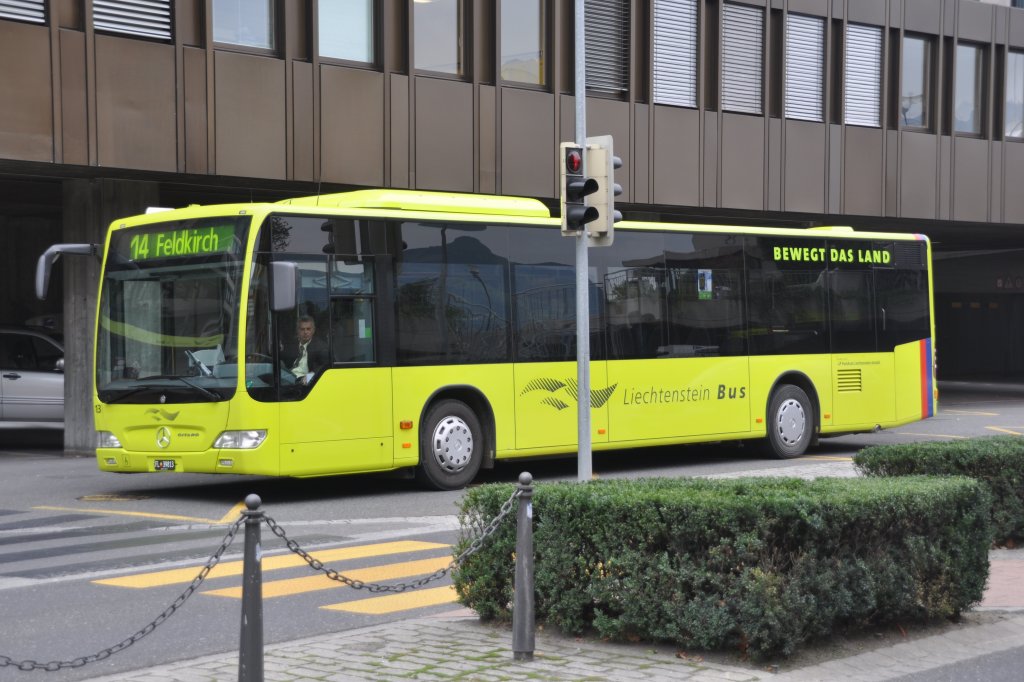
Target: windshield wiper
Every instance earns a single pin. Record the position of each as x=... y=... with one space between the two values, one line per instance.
x=205 y=391
x=203 y=369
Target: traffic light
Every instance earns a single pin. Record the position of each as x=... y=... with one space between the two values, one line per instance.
x=601 y=163
x=575 y=187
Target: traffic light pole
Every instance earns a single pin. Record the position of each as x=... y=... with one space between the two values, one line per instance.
x=584 y=463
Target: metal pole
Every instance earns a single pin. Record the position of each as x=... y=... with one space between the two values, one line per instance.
x=584 y=466
x=250 y=651
x=522 y=608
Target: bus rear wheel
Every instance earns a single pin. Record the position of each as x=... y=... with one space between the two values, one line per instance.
x=790 y=422
x=451 y=446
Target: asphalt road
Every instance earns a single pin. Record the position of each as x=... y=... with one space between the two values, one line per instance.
x=85 y=555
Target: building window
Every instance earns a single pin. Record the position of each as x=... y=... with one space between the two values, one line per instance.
x=742 y=58
x=607 y=46
x=244 y=22
x=143 y=18
x=862 y=76
x=967 y=91
x=438 y=27
x=675 y=52
x=346 y=29
x=33 y=11
x=915 y=84
x=805 y=66
x=523 y=38
x=1015 y=95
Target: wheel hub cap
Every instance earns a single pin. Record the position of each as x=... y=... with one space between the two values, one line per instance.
x=452 y=444
x=792 y=422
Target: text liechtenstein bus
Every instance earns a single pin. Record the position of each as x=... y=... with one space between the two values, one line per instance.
x=447 y=324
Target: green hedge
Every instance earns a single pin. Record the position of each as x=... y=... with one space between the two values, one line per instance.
x=996 y=461
x=757 y=564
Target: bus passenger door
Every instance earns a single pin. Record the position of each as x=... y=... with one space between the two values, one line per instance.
x=335 y=400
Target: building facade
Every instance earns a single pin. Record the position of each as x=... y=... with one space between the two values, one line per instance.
x=895 y=115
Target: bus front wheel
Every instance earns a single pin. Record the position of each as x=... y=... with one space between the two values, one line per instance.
x=790 y=422
x=451 y=446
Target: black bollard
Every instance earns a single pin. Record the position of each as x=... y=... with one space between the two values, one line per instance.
x=250 y=651
x=522 y=609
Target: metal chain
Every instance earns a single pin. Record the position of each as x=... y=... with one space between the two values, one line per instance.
x=53 y=666
x=474 y=546
x=488 y=530
x=484 y=534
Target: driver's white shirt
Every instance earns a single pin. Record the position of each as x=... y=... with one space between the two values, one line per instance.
x=301 y=367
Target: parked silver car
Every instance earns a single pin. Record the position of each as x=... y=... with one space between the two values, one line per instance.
x=31 y=379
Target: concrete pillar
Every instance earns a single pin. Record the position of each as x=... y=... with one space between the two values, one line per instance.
x=89 y=208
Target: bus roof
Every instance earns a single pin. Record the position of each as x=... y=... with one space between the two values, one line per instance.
x=412 y=200
x=477 y=207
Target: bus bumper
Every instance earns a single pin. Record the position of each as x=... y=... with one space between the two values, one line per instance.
x=262 y=460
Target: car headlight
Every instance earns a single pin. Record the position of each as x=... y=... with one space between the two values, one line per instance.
x=240 y=440
x=105 y=439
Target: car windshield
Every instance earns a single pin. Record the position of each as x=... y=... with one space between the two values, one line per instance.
x=168 y=320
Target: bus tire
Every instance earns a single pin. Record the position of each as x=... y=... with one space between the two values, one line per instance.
x=451 y=446
x=790 y=422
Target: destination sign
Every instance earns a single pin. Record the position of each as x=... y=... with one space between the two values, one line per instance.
x=177 y=243
x=832 y=255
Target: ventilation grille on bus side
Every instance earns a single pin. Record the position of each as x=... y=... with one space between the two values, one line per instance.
x=909 y=255
x=848 y=380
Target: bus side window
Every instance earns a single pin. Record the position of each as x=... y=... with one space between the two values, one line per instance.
x=352 y=333
x=635 y=300
x=312 y=308
x=352 y=321
x=850 y=311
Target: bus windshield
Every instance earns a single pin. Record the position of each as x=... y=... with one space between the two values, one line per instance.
x=168 y=320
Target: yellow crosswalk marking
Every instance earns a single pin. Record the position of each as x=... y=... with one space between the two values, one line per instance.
x=230 y=517
x=397 y=602
x=233 y=513
x=996 y=428
x=177 y=576
x=313 y=583
x=144 y=515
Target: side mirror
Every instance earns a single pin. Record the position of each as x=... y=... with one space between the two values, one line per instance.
x=283 y=282
x=45 y=263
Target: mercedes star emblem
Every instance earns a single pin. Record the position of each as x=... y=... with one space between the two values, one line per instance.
x=163 y=437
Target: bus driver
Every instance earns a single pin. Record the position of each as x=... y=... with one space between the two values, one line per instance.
x=307 y=353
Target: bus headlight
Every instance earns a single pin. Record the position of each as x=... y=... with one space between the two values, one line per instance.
x=240 y=440
x=105 y=439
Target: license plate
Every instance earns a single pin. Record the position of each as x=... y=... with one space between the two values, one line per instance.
x=163 y=465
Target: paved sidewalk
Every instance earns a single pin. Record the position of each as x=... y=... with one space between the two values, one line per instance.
x=457 y=646
x=1005 y=589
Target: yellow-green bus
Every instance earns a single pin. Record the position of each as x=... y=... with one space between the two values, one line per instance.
x=443 y=330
